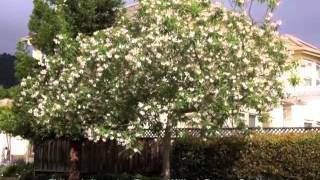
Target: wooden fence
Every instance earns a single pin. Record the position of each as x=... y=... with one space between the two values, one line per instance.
x=108 y=157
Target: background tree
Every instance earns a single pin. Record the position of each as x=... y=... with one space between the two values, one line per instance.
x=7 y=78
x=15 y=120
x=182 y=61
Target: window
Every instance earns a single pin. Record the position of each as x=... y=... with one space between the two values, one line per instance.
x=252 y=120
x=310 y=71
x=308 y=81
x=318 y=75
x=307 y=124
x=304 y=64
x=287 y=112
x=242 y=116
x=318 y=70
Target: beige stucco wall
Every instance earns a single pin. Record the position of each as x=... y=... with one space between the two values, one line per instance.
x=19 y=146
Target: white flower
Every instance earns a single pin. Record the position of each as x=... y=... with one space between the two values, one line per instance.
x=279 y=22
x=81 y=62
x=142 y=113
x=55 y=82
x=23 y=83
x=192 y=34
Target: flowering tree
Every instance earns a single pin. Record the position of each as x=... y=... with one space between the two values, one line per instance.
x=177 y=61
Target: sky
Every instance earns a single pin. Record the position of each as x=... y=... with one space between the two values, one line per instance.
x=300 y=18
x=14 y=16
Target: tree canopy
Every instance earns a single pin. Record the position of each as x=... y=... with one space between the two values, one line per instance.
x=44 y=24
x=53 y=17
x=178 y=61
x=89 y=16
x=187 y=61
x=48 y=19
x=25 y=64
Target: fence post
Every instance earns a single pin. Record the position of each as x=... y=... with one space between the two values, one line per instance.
x=75 y=155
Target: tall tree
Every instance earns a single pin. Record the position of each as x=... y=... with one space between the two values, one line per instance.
x=89 y=16
x=25 y=64
x=179 y=61
x=50 y=18
x=44 y=25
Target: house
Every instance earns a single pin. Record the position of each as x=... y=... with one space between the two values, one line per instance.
x=300 y=108
x=34 y=52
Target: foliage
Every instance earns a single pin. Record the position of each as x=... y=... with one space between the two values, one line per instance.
x=192 y=158
x=289 y=156
x=89 y=16
x=177 y=62
x=44 y=24
x=25 y=64
x=25 y=172
x=6 y=119
x=21 y=171
x=120 y=176
x=50 y=18
x=8 y=92
x=294 y=79
x=14 y=122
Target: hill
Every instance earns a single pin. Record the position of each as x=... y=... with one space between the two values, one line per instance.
x=7 y=77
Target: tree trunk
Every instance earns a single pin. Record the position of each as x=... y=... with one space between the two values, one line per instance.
x=166 y=151
x=74 y=172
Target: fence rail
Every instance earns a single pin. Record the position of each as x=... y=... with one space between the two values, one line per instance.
x=109 y=157
x=196 y=132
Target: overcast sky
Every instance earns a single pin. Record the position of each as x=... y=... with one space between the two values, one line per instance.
x=300 y=18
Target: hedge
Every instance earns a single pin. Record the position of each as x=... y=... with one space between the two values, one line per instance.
x=284 y=156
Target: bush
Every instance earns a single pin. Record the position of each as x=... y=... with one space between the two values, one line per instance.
x=21 y=171
x=285 y=156
x=119 y=176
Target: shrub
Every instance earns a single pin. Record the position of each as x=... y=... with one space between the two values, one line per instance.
x=21 y=171
x=285 y=156
x=119 y=176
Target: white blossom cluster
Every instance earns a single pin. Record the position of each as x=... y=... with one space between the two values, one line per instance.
x=183 y=60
